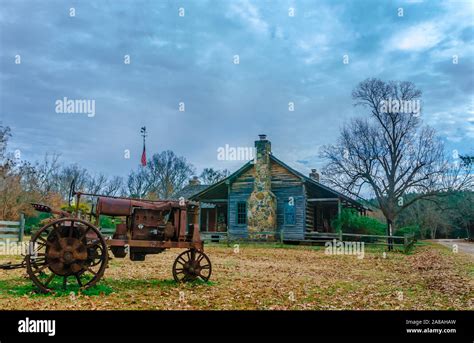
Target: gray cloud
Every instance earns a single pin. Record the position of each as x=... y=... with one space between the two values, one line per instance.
x=189 y=59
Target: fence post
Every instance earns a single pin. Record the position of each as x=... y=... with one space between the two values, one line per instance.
x=21 y=229
x=281 y=236
x=408 y=241
x=340 y=235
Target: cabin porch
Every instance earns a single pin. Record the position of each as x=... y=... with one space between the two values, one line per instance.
x=324 y=205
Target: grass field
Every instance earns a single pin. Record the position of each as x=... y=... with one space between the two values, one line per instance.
x=268 y=277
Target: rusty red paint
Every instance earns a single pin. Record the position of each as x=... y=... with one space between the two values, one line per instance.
x=73 y=246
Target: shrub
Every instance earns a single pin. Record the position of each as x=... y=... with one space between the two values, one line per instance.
x=35 y=222
x=108 y=222
x=352 y=222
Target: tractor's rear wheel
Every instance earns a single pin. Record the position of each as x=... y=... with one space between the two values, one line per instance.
x=191 y=265
x=63 y=250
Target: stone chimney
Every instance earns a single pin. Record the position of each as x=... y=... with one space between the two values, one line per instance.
x=314 y=175
x=261 y=204
x=194 y=181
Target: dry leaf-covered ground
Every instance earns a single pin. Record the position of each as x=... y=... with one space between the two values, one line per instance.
x=270 y=277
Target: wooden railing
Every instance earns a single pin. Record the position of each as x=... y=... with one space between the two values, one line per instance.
x=407 y=241
x=226 y=237
x=215 y=237
x=13 y=230
x=322 y=235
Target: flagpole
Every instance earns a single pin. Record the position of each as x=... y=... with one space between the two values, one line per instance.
x=143 y=159
x=143 y=131
x=144 y=134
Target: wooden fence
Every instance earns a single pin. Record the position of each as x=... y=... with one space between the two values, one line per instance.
x=226 y=237
x=13 y=230
x=406 y=242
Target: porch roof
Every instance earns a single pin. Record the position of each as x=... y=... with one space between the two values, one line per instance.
x=190 y=190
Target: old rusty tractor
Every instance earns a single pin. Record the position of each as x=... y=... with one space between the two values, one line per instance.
x=71 y=248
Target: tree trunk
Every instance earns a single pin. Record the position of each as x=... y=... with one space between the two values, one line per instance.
x=422 y=232
x=390 y=233
x=433 y=230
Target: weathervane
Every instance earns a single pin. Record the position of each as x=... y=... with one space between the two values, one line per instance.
x=144 y=134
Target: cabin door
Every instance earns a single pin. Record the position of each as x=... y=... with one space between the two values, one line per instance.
x=208 y=219
x=214 y=218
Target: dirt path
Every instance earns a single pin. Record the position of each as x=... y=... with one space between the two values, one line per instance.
x=463 y=246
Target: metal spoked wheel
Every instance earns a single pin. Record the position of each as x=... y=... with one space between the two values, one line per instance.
x=191 y=265
x=66 y=248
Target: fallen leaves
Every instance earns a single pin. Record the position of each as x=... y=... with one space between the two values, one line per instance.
x=298 y=278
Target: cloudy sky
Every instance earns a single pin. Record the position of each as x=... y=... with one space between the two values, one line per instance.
x=190 y=59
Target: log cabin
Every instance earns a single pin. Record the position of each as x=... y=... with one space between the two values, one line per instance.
x=267 y=196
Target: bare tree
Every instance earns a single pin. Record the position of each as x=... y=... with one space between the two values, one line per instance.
x=210 y=176
x=391 y=154
x=6 y=162
x=4 y=136
x=114 y=186
x=22 y=182
x=95 y=184
x=167 y=173
x=137 y=183
x=69 y=173
x=47 y=173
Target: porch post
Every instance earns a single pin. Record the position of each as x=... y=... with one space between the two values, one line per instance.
x=199 y=216
x=339 y=208
x=228 y=210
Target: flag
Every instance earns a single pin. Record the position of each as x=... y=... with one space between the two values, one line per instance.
x=143 y=156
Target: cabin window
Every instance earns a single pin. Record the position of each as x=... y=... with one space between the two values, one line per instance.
x=241 y=213
x=290 y=215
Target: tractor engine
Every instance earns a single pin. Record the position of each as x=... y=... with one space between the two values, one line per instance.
x=152 y=225
x=149 y=225
x=145 y=221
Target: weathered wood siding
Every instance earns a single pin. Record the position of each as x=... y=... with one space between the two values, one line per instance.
x=284 y=186
x=309 y=217
x=240 y=190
